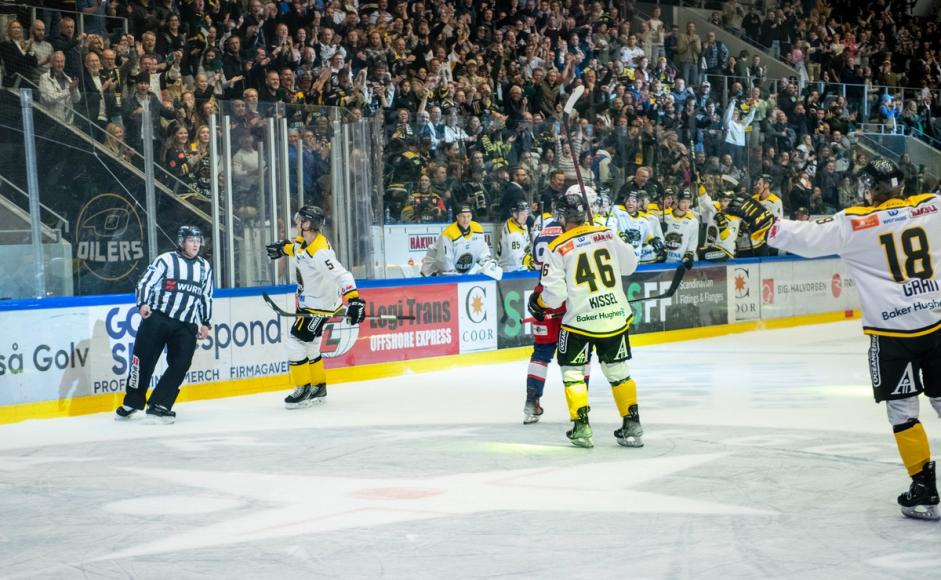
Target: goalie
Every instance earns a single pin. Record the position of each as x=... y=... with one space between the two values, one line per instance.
x=892 y=249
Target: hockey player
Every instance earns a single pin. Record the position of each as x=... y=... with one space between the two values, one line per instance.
x=681 y=229
x=721 y=227
x=545 y=331
x=642 y=233
x=461 y=249
x=752 y=243
x=583 y=270
x=892 y=250
x=174 y=298
x=515 y=240
x=322 y=285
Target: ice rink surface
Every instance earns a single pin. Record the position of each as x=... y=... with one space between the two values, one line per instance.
x=765 y=458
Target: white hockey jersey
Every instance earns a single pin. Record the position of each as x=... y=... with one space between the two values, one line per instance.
x=455 y=252
x=639 y=231
x=721 y=234
x=892 y=252
x=583 y=271
x=515 y=244
x=680 y=235
x=322 y=281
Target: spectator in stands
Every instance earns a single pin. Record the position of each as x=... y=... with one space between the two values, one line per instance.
x=59 y=91
x=688 y=52
x=70 y=46
x=133 y=110
x=114 y=142
x=42 y=49
x=424 y=205
x=98 y=103
x=17 y=55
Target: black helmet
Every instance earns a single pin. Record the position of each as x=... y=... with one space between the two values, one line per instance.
x=881 y=178
x=312 y=214
x=572 y=208
x=184 y=232
x=519 y=206
x=684 y=194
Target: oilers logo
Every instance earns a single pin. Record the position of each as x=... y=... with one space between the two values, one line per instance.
x=464 y=263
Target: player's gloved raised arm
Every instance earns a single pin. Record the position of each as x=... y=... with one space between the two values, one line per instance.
x=277 y=249
x=534 y=308
x=355 y=310
x=758 y=218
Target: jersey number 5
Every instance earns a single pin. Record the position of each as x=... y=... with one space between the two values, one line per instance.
x=917 y=255
x=584 y=274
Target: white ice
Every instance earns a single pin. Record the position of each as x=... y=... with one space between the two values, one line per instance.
x=766 y=457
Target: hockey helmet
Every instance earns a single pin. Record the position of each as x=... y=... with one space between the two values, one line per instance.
x=312 y=214
x=519 y=206
x=188 y=231
x=590 y=193
x=684 y=194
x=880 y=179
x=571 y=209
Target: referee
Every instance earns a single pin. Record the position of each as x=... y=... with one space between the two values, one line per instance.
x=175 y=302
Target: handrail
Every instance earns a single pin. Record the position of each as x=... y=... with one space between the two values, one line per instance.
x=13 y=208
x=77 y=14
x=99 y=147
x=55 y=214
x=177 y=182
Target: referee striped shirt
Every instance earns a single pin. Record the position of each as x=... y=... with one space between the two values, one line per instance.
x=178 y=286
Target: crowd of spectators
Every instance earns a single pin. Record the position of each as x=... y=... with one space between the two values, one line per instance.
x=876 y=44
x=469 y=93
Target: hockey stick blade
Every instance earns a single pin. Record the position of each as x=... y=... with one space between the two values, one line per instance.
x=284 y=313
x=678 y=274
x=577 y=93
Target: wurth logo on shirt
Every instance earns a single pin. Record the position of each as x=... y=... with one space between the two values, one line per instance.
x=172 y=285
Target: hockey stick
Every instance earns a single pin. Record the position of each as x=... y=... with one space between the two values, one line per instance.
x=678 y=274
x=284 y=313
x=577 y=93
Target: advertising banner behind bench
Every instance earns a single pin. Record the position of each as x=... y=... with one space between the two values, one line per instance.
x=74 y=351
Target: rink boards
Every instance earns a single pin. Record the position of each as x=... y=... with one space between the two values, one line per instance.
x=70 y=356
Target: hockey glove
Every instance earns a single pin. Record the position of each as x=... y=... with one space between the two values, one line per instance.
x=688 y=259
x=276 y=250
x=538 y=312
x=355 y=310
x=758 y=218
x=528 y=262
x=659 y=250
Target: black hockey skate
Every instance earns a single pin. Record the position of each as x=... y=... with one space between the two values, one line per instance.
x=305 y=396
x=921 y=500
x=630 y=434
x=124 y=413
x=531 y=411
x=580 y=433
x=161 y=415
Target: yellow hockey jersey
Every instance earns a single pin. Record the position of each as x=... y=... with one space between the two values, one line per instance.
x=322 y=281
x=583 y=270
x=892 y=251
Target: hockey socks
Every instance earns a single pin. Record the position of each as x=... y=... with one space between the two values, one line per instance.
x=299 y=373
x=536 y=378
x=913 y=445
x=576 y=397
x=625 y=395
x=317 y=375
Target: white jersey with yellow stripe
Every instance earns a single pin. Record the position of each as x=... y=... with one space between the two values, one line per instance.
x=680 y=234
x=456 y=252
x=720 y=233
x=639 y=231
x=515 y=243
x=892 y=252
x=582 y=270
x=322 y=281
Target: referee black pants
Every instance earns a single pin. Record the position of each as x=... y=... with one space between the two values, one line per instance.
x=156 y=332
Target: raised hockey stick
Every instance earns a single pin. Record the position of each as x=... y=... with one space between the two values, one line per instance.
x=284 y=313
x=577 y=93
x=678 y=274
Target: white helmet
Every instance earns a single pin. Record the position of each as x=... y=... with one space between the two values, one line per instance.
x=590 y=193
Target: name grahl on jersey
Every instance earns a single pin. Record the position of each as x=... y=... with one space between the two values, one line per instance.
x=173 y=285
